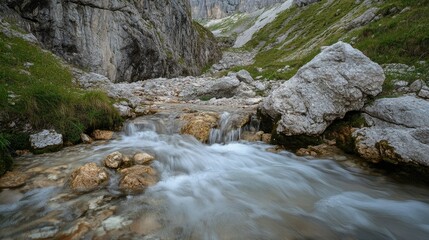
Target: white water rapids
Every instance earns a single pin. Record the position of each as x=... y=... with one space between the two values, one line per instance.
x=220 y=191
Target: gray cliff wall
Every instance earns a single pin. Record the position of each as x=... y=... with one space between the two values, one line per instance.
x=213 y=9
x=122 y=39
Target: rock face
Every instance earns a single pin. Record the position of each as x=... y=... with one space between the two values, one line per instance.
x=213 y=9
x=302 y=3
x=336 y=81
x=398 y=132
x=88 y=177
x=123 y=40
x=46 y=139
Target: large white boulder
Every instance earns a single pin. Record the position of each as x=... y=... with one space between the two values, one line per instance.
x=336 y=81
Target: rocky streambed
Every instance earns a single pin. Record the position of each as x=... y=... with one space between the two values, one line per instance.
x=196 y=165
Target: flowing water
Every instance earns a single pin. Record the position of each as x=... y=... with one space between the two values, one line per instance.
x=237 y=190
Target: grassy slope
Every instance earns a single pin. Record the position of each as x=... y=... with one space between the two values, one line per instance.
x=296 y=36
x=45 y=96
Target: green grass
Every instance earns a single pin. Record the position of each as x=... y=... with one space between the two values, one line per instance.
x=297 y=34
x=45 y=95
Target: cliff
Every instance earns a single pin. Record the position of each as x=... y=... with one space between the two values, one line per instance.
x=214 y=9
x=124 y=40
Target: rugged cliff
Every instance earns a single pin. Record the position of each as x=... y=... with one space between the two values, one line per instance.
x=213 y=9
x=124 y=40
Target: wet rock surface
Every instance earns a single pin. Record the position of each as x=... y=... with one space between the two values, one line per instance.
x=13 y=180
x=88 y=177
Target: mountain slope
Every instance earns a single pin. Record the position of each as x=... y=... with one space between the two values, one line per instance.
x=123 y=40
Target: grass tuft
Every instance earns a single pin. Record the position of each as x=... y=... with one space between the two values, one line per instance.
x=36 y=88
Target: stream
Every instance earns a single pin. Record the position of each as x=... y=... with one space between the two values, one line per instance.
x=235 y=190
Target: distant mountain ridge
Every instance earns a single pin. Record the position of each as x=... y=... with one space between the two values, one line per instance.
x=215 y=9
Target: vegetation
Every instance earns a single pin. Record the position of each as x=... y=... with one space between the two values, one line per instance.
x=36 y=89
x=296 y=35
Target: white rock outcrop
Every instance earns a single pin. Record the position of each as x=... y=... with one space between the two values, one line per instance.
x=336 y=81
x=398 y=131
x=46 y=139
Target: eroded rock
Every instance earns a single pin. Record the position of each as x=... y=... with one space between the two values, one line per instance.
x=137 y=178
x=336 y=81
x=143 y=158
x=102 y=134
x=113 y=160
x=199 y=124
x=88 y=177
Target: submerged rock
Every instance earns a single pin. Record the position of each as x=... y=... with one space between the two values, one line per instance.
x=142 y=158
x=13 y=180
x=336 y=81
x=88 y=177
x=137 y=178
x=46 y=140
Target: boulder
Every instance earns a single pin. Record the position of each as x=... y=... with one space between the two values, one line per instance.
x=244 y=76
x=398 y=131
x=88 y=177
x=393 y=145
x=199 y=124
x=401 y=112
x=113 y=160
x=102 y=135
x=142 y=158
x=336 y=81
x=137 y=178
x=46 y=139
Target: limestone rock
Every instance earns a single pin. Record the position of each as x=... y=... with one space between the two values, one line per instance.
x=132 y=40
x=393 y=145
x=424 y=92
x=336 y=81
x=214 y=9
x=244 y=76
x=143 y=158
x=199 y=124
x=13 y=180
x=46 y=139
x=113 y=160
x=302 y=3
x=85 y=138
x=364 y=19
x=102 y=135
x=405 y=111
x=398 y=131
x=88 y=177
x=416 y=86
x=252 y=137
x=137 y=178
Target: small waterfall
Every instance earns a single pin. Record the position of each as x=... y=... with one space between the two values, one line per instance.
x=161 y=124
x=228 y=131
